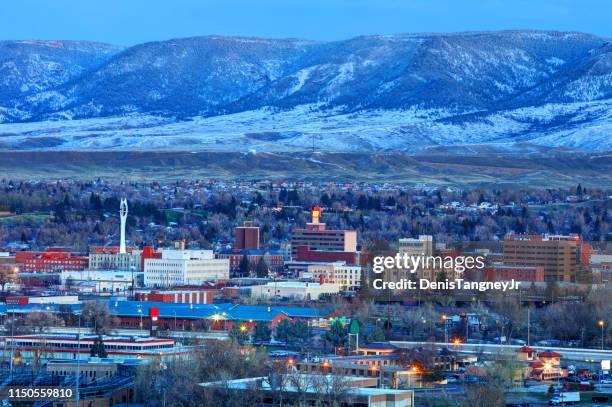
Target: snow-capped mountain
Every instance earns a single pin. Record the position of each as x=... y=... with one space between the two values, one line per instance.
x=31 y=67
x=400 y=92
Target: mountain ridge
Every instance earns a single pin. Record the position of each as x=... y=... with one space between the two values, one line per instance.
x=551 y=88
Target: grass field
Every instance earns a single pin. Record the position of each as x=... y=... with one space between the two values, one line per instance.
x=489 y=170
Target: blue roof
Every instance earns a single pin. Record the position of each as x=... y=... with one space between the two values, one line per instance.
x=264 y=313
x=166 y=310
x=227 y=311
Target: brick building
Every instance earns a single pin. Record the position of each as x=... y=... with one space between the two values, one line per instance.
x=50 y=262
x=247 y=237
x=533 y=274
x=316 y=237
x=562 y=257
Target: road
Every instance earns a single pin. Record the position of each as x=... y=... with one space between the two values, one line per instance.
x=579 y=354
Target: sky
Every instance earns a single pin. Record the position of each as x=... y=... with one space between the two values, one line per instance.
x=128 y=22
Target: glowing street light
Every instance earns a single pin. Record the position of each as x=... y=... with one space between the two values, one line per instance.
x=601 y=324
x=445 y=319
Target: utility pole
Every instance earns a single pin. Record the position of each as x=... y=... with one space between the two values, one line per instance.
x=528 y=326
x=12 y=346
x=78 y=369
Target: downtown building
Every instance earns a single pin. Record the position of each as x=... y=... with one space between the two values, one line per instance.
x=272 y=258
x=184 y=267
x=347 y=277
x=246 y=237
x=110 y=258
x=316 y=243
x=561 y=257
x=101 y=281
x=50 y=261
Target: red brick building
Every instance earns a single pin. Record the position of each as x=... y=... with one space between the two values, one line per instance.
x=273 y=259
x=562 y=257
x=247 y=237
x=50 y=262
x=319 y=256
x=533 y=274
x=316 y=237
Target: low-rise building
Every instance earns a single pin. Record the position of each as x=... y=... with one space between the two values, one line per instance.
x=534 y=274
x=71 y=346
x=184 y=267
x=293 y=290
x=273 y=259
x=346 y=276
x=177 y=296
x=50 y=261
x=52 y=299
x=309 y=389
x=104 y=281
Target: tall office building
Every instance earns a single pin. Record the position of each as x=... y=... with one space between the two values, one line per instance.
x=316 y=238
x=247 y=237
x=562 y=257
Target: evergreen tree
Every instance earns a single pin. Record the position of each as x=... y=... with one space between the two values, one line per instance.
x=262 y=269
x=244 y=267
x=262 y=333
x=60 y=213
x=239 y=333
x=377 y=335
x=98 y=349
x=326 y=200
x=362 y=202
x=282 y=331
x=337 y=335
x=299 y=334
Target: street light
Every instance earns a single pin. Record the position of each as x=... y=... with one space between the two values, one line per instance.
x=445 y=319
x=601 y=324
x=140 y=313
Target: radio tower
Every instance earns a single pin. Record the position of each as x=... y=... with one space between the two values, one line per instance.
x=123 y=211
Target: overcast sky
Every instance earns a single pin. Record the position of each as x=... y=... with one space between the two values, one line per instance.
x=129 y=22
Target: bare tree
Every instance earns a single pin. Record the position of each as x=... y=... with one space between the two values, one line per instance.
x=98 y=317
x=40 y=321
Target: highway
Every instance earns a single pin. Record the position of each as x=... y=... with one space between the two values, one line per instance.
x=578 y=354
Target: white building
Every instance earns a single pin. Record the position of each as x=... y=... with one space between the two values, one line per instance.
x=116 y=261
x=106 y=281
x=184 y=267
x=293 y=289
x=416 y=247
x=347 y=277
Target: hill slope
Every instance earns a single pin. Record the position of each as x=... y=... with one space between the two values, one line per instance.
x=373 y=93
